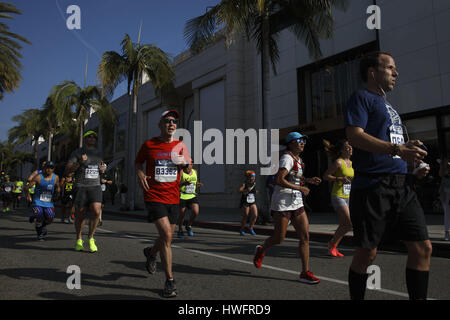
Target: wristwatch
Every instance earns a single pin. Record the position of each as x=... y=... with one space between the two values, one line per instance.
x=395 y=149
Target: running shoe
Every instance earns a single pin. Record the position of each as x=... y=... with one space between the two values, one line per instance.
x=189 y=231
x=252 y=232
x=92 y=245
x=71 y=218
x=150 y=264
x=180 y=234
x=309 y=278
x=259 y=256
x=332 y=249
x=242 y=232
x=79 y=245
x=170 y=289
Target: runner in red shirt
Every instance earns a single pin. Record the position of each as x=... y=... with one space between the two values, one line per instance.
x=165 y=157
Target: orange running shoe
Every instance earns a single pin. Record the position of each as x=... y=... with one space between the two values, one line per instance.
x=259 y=256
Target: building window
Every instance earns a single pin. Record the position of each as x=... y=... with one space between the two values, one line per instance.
x=325 y=87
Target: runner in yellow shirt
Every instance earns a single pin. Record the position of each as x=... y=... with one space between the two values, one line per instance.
x=341 y=174
x=188 y=199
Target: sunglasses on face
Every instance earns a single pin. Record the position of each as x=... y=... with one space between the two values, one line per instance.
x=167 y=121
x=300 y=140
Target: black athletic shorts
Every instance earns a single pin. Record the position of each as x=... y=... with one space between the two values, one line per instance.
x=84 y=196
x=188 y=203
x=387 y=211
x=158 y=210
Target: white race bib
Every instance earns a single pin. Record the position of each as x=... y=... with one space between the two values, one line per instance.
x=297 y=197
x=91 y=172
x=346 y=189
x=45 y=197
x=8 y=189
x=103 y=187
x=251 y=198
x=165 y=170
x=190 y=188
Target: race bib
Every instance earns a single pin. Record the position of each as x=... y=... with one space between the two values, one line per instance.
x=346 y=189
x=103 y=187
x=297 y=197
x=8 y=189
x=165 y=170
x=190 y=188
x=45 y=197
x=251 y=198
x=91 y=172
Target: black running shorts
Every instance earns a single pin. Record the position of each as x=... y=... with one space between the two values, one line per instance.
x=384 y=213
x=188 y=203
x=157 y=210
x=84 y=196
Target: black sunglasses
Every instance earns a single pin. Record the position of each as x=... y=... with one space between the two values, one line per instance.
x=174 y=121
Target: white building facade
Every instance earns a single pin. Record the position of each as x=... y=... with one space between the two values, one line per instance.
x=221 y=87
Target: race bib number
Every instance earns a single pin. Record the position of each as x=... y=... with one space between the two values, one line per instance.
x=165 y=170
x=45 y=197
x=297 y=197
x=91 y=172
x=190 y=188
x=251 y=198
x=346 y=189
x=103 y=187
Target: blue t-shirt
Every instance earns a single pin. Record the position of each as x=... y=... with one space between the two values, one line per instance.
x=378 y=118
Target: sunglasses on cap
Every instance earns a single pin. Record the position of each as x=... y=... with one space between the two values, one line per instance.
x=174 y=121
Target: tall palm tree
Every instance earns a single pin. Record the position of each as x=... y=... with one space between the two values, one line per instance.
x=262 y=21
x=30 y=125
x=9 y=51
x=69 y=101
x=135 y=60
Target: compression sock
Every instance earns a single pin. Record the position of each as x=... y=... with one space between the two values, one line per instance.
x=417 y=284
x=357 y=284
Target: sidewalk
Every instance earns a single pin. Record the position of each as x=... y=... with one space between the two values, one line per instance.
x=321 y=225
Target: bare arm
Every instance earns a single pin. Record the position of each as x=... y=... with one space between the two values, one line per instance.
x=142 y=176
x=361 y=140
x=280 y=179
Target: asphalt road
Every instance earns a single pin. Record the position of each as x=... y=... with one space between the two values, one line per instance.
x=213 y=265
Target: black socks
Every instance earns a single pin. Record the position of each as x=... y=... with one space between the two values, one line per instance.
x=417 y=284
x=357 y=284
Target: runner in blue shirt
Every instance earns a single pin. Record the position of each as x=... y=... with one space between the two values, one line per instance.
x=43 y=210
x=383 y=202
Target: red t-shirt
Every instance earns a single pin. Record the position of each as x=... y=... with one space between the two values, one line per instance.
x=164 y=175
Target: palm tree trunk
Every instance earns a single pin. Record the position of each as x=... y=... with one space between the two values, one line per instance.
x=132 y=152
x=265 y=74
x=35 y=151
x=49 y=152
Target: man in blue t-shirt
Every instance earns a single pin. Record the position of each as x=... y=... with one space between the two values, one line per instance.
x=382 y=200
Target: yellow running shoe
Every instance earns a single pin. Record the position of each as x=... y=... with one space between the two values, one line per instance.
x=79 y=245
x=92 y=245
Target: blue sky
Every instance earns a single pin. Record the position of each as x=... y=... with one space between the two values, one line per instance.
x=57 y=53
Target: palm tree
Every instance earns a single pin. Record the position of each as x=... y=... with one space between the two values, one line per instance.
x=30 y=125
x=262 y=21
x=69 y=101
x=135 y=60
x=9 y=52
